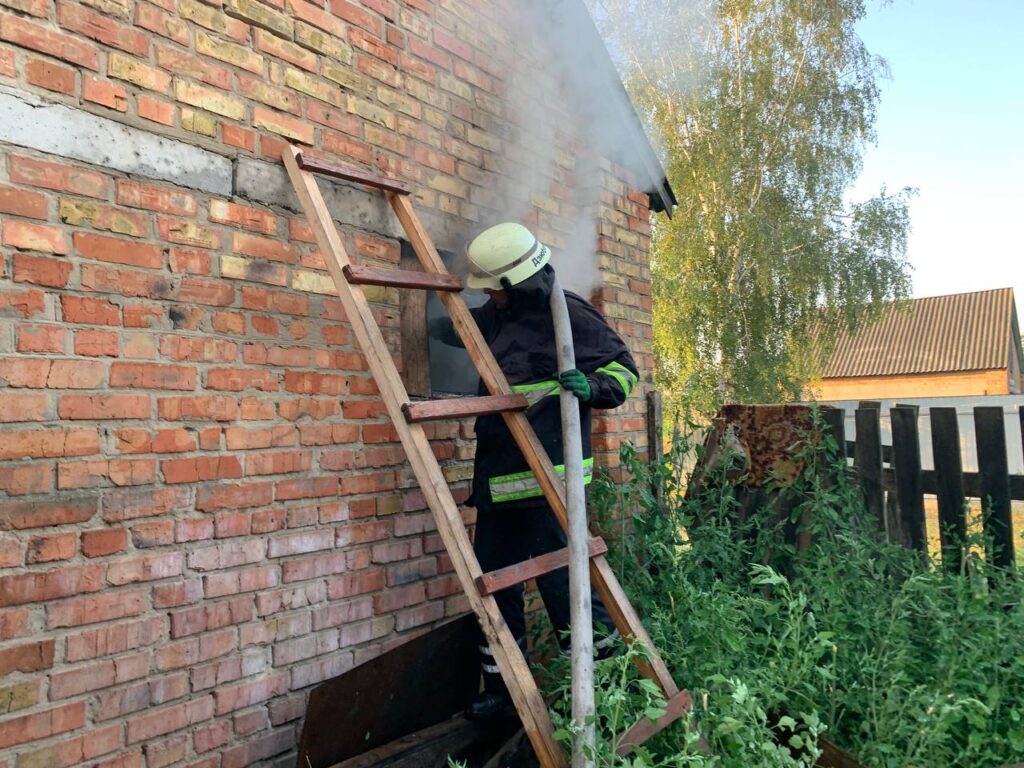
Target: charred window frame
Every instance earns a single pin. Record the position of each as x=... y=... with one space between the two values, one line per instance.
x=428 y=366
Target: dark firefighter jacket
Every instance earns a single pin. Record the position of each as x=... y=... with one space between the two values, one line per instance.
x=522 y=338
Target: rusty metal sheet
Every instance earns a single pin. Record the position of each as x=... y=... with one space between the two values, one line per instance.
x=413 y=686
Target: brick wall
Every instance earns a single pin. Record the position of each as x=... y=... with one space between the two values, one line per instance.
x=203 y=512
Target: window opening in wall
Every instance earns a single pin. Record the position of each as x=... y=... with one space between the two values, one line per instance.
x=449 y=369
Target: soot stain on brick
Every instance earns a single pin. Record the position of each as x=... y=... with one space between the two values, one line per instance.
x=177 y=317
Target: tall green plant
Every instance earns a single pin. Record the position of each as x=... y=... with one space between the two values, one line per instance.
x=764 y=108
x=897 y=661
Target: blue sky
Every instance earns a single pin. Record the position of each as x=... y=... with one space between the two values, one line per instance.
x=951 y=123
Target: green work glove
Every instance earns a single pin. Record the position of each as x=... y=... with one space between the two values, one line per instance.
x=577 y=383
x=443 y=329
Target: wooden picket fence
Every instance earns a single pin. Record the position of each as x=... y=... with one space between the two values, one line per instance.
x=895 y=485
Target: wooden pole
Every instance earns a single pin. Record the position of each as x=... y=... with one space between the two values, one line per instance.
x=581 y=622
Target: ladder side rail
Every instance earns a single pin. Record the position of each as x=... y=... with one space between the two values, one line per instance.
x=451 y=527
x=621 y=611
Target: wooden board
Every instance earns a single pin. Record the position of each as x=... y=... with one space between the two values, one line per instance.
x=415 y=343
x=993 y=468
x=906 y=449
x=460 y=407
x=503 y=578
x=867 y=461
x=514 y=670
x=603 y=579
x=398 y=278
x=346 y=173
x=644 y=729
x=949 y=481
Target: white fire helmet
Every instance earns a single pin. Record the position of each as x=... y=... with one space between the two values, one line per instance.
x=504 y=250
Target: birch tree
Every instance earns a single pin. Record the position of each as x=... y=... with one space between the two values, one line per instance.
x=764 y=108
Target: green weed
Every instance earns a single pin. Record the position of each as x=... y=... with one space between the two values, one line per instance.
x=900 y=663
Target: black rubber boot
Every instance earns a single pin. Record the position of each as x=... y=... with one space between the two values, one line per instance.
x=491 y=705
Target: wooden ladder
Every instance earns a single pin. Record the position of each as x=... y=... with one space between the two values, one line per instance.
x=407 y=418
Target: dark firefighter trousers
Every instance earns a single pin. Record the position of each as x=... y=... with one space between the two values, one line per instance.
x=508 y=536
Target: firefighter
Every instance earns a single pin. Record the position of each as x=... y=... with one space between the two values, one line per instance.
x=514 y=521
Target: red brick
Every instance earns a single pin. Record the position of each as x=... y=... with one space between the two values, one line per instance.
x=351 y=584
x=243 y=216
x=131 y=505
x=254 y=750
x=96 y=343
x=30 y=35
x=238 y=379
x=115 y=638
x=102 y=279
x=89 y=610
x=247 y=694
x=48 y=585
x=208 y=292
x=151 y=376
x=227 y=555
x=277 y=463
x=25 y=479
x=188 y=233
x=41 y=271
x=28 y=657
x=353 y=14
x=104 y=407
x=428 y=52
x=194 y=530
x=64 y=178
x=139 y=195
x=50 y=75
x=186 y=64
x=198 y=469
x=198 y=349
x=155 y=110
x=34 y=237
x=190 y=261
x=38 y=8
x=40 y=338
x=46 y=549
x=103 y=92
x=264 y=248
x=76 y=18
x=7 y=68
x=42 y=725
x=172 y=27
x=308 y=383
x=241 y=496
x=119 y=472
x=118 y=251
x=89 y=677
x=82 y=309
x=49 y=443
x=104 y=542
x=156 y=533
x=197 y=408
x=169 y=719
x=235 y=136
x=211 y=615
x=22 y=202
x=243 y=439
x=41 y=514
x=146 y=568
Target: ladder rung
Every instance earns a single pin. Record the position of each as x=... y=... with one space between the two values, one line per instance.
x=641 y=731
x=457 y=407
x=401 y=278
x=503 y=578
x=325 y=168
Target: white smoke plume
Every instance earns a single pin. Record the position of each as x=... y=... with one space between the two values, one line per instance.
x=585 y=107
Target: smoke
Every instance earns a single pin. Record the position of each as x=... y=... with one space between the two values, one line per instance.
x=565 y=109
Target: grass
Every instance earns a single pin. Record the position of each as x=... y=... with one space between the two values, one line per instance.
x=896 y=661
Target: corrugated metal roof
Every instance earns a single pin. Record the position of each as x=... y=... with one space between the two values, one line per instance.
x=941 y=334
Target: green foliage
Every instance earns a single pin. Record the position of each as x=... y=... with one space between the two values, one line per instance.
x=764 y=108
x=900 y=663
